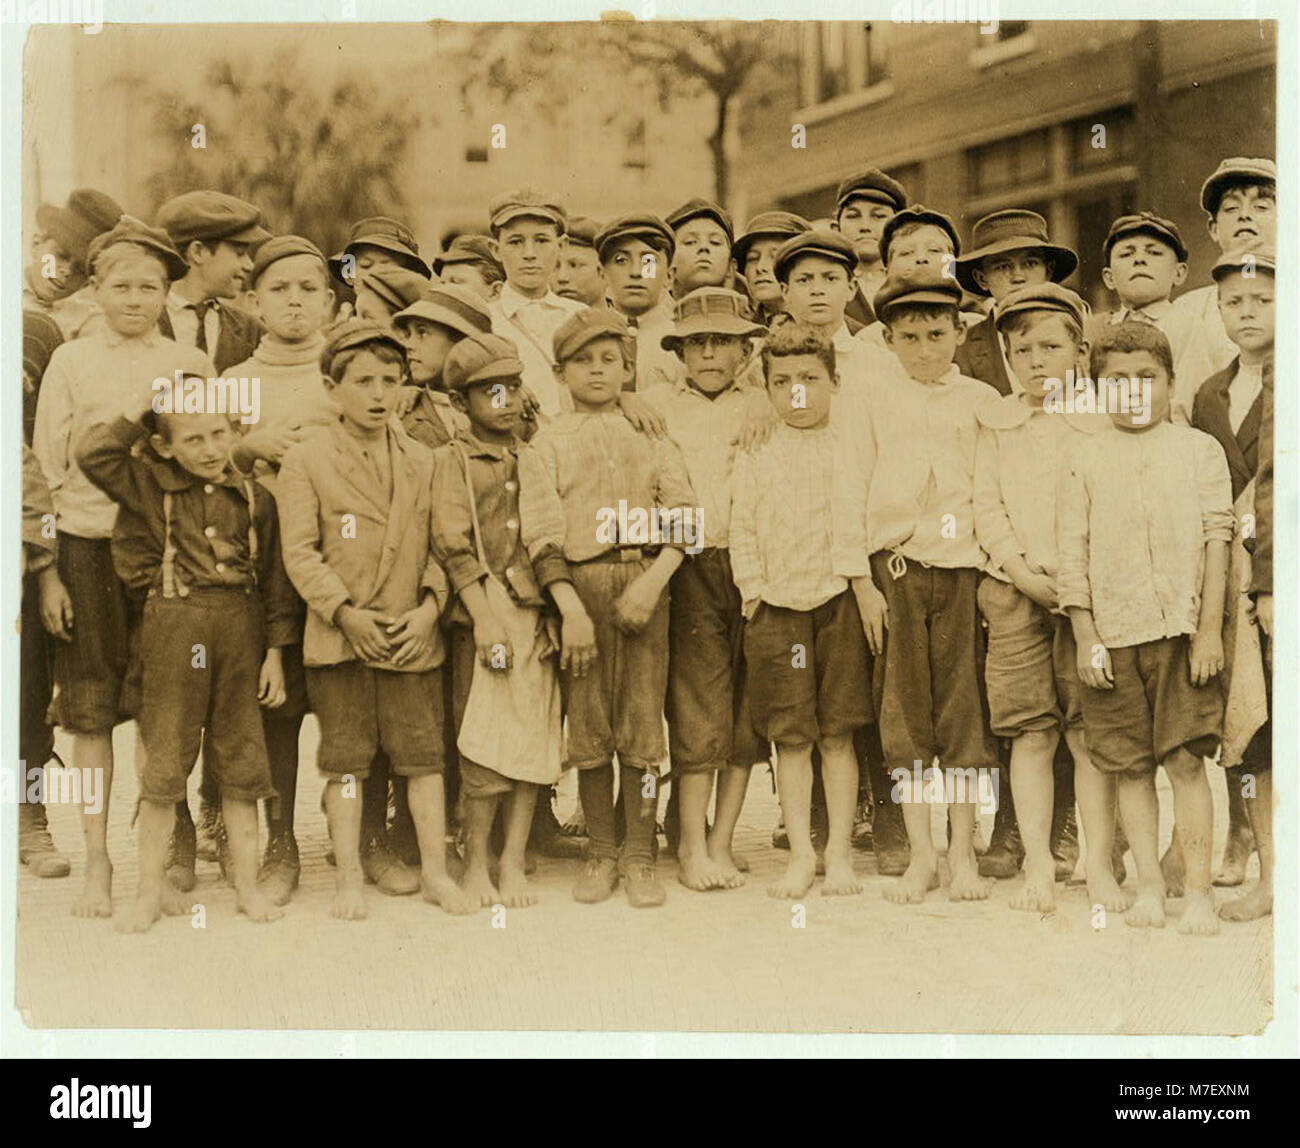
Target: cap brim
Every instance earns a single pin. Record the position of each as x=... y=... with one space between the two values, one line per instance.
x=1064 y=261
x=499 y=369
x=740 y=249
x=254 y=233
x=648 y=235
x=403 y=255
x=577 y=342
x=921 y=295
x=432 y=313
x=867 y=193
x=1155 y=233
x=711 y=325
x=1213 y=188
x=522 y=211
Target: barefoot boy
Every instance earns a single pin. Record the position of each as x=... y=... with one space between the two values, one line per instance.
x=355 y=505
x=803 y=641
x=1143 y=579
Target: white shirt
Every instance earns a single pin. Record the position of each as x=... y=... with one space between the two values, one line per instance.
x=531 y=325
x=185 y=321
x=1242 y=393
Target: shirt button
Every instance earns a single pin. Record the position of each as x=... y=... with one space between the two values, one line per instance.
x=208 y=488
x=221 y=567
x=511 y=484
x=183 y=591
x=209 y=531
x=511 y=524
x=509 y=571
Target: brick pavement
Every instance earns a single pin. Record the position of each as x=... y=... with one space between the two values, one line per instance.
x=705 y=962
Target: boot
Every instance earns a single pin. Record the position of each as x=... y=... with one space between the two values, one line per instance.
x=889 y=840
x=547 y=836
x=1065 y=841
x=1005 y=853
x=35 y=845
x=863 y=818
x=383 y=870
x=278 y=875
x=181 y=855
x=205 y=847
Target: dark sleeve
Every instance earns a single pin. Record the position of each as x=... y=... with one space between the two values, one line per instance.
x=104 y=456
x=1261 y=581
x=285 y=611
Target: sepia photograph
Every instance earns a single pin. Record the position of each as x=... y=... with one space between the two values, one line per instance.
x=641 y=525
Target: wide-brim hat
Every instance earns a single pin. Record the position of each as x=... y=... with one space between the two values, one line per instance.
x=457 y=308
x=128 y=229
x=767 y=225
x=1234 y=172
x=1012 y=230
x=709 y=311
x=88 y=213
x=387 y=234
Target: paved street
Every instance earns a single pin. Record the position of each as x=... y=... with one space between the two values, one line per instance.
x=705 y=962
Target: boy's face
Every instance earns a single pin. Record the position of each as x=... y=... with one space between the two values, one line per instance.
x=67 y=276
x=199 y=444
x=924 y=346
x=493 y=406
x=1139 y=369
x=861 y=221
x=368 y=391
x=1246 y=305
x=1043 y=350
x=131 y=295
x=293 y=299
x=925 y=246
x=817 y=291
x=427 y=345
x=634 y=272
x=529 y=250
x=713 y=360
x=1004 y=272
x=370 y=306
x=799 y=388
x=1247 y=218
x=470 y=276
x=578 y=275
x=1143 y=269
x=370 y=258
x=595 y=374
x=223 y=270
x=702 y=256
x=758 y=272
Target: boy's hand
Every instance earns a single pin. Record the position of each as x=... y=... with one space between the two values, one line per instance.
x=1039 y=587
x=1094 y=666
x=757 y=429
x=271 y=445
x=491 y=641
x=1264 y=612
x=530 y=408
x=642 y=415
x=874 y=612
x=56 y=606
x=1205 y=655
x=412 y=632
x=366 y=632
x=577 y=643
x=407 y=397
x=636 y=604
x=270 y=682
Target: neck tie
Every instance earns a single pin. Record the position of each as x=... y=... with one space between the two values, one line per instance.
x=201 y=309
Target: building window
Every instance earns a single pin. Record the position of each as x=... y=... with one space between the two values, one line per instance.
x=1018 y=161
x=1100 y=140
x=476 y=155
x=838 y=58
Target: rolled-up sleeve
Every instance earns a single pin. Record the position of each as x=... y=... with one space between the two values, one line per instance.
x=1214 y=491
x=453 y=524
x=673 y=489
x=542 y=523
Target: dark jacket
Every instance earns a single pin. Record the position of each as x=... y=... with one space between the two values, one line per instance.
x=1210 y=414
x=237 y=339
x=980 y=356
x=1262 y=565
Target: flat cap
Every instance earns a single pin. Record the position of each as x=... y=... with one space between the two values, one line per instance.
x=1247 y=262
x=391 y=235
x=924 y=285
x=1144 y=223
x=88 y=213
x=469 y=249
x=210 y=216
x=128 y=229
x=352 y=333
x=1232 y=172
x=650 y=229
x=873 y=184
x=710 y=310
x=457 y=308
x=1041 y=297
x=701 y=209
x=585 y=326
x=828 y=244
x=282 y=247
x=519 y=202
x=479 y=358
x=1012 y=230
x=767 y=225
x=917 y=213
x=396 y=287
x=581 y=231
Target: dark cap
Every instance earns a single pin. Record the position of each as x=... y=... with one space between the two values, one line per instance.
x=1247 y=262
x=585 y=326
x=921 y=286
x=701 y=209
x=41 y=336
x=352 y=333
x=1144 y=223
x=828 y=244
x=917 y=213
x=767 y=225
x=1041 y=297
x=456 y=308
x=520 y=202
x=128 y=229
x=396 y=286
x=872 y=184
x=1012 y=230
x=88 y=213
x=211 y=216
x=387 y=234
x=1233 y=173
x=479 y=358
x=650 y=229
x=710 y=310
x=581 y=231
x=282 y=247
x=469 y=249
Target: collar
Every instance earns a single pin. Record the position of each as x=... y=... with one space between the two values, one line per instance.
x=151 y=338
x=951 y=375
x=178 y=302
x=512 y=300
x=1154 y=311
x=843 y=340
x=681 y=386
x=475 y=447
x=172 y=477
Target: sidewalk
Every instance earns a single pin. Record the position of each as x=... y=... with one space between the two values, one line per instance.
x=723 y=961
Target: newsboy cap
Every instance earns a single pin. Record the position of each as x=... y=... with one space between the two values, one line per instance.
x=1012 y=230
x=917 y=213
x=353 y=333
x=1144 y=223
x=701 y=209
x=586 y=326
x=478 y=358
x=282 y=247
x=128 y=229
x=88 y=213
x=581 y=231
x=767 y=225
x=872 y=184
x=211 y=216
x=1041 y=297
x=709 y=310
x=457 y=308
x=1247 y=262
x=396 y=287
x=1234 y=172
x=469 y=249
x=520 y=202
x=387 y=234
x=827 y=244
x=923 y=285
x=650 y=229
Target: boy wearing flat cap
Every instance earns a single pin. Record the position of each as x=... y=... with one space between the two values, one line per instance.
x=505 y=693
x=383 y=291
x=635 y=253
x=527 y=225
x=753 y=253
x=864 y=203
x=55 y=281
x=355 y=510
x=703 y=235
x=215 y=234
x=578 y=275
x=84 y=603
x=471 y=261
x=606 y=513
x=709 y=731
x=375 y=242
x=905 y=537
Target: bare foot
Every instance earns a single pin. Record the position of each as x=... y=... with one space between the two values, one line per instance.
x=349 y=902
x=725 y=862
x=1038 y=893
x=140 y=915
x=477 y=886
x=1199 y=918
x=1174 y=869
x=516 y=892
x=840 y=881
x=797 y=879
x=1236 y=854
x=965 y=882
x=257 y=906
x=912 y=886
x=442 y=890
x=174 y=902
x=740 y=861
x=697 y=871
x=1102 y=890
x=96 y=898
x=1256 y=902
x=1148 y=911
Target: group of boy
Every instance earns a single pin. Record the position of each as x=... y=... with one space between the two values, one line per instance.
x=848 y=498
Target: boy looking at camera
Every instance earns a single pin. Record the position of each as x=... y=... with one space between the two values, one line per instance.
x=864 y=203
x=702 y=235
